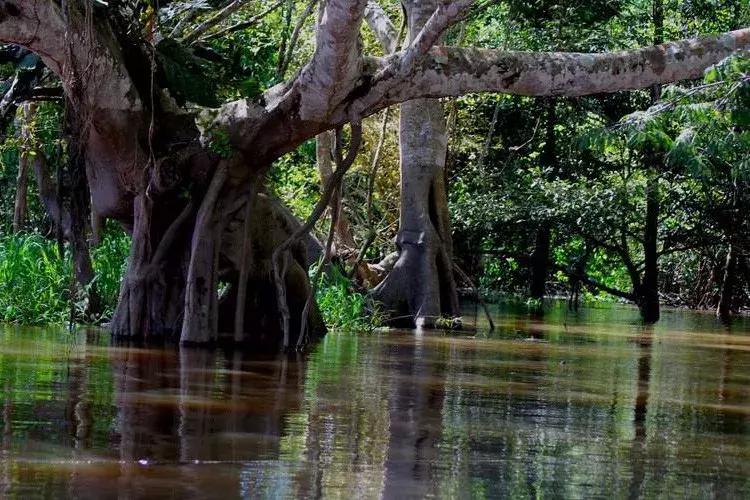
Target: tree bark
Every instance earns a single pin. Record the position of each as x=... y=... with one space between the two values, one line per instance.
x=422 y=284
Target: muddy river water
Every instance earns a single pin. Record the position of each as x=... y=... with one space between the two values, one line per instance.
x=578 y=405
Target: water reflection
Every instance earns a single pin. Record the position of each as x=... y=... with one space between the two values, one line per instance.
x=576 y=406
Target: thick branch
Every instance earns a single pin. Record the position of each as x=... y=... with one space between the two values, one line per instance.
x=380 y=24
x=453 y=71
x=336 y=66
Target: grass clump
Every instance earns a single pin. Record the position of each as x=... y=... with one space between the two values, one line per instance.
x=342 y=307
x=36 y=284
x=34 y=281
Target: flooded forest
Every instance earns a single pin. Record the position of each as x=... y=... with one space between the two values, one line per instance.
x=374 y=249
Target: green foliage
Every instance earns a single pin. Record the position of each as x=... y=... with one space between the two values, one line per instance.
x=37 y=283
x=342 y=307
x=220 y=143
x=295 y=180
x=186 y=76
x=109 y=259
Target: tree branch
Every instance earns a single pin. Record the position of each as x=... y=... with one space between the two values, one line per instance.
x=451 y=71
x=244 y=24
x=209 y=23
x=591 y=283
x=380 y=24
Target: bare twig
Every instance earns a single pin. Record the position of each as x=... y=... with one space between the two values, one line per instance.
x=244 y=24
x=478 y=295
x=217 y=18
x=287 y=57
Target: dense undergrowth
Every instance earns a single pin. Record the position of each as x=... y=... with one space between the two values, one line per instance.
x=344 y=308
x=37 y=285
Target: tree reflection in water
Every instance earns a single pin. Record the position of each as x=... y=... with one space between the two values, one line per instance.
x=586 y=406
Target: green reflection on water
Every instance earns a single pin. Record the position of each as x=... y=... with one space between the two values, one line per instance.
x=575 y=406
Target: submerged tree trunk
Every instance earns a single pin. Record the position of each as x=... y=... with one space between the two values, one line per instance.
x=421 y=284
x=540 y=262
x=540 y=258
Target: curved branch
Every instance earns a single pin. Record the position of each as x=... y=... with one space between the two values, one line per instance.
x=37 y=25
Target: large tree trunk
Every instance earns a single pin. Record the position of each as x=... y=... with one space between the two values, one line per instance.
x=421 y=284
x=179 y=297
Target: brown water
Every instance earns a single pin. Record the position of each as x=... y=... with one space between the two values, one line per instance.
x=576 y=406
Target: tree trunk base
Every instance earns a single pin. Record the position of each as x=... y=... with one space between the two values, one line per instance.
x=152 y=303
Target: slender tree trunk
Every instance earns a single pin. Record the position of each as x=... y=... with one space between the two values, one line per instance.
x=726 y=299
x=343 y=243
x=422 y=283
x=22 y=180
x=648 y=296
x=542 y=246
x=80 y=212
x=540 y=262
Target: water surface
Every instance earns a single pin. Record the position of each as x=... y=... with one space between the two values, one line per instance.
x=587 y=405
